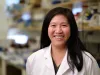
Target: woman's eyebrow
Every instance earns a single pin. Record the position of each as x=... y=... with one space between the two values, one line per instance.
x=52 y=23
x=64 y=23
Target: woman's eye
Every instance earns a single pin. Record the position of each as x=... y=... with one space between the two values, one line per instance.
x=64 y=25
x=53 y=25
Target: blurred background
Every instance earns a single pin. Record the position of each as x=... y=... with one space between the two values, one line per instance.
x=21 y=22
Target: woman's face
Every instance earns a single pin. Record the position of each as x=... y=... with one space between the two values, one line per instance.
x=59 y=30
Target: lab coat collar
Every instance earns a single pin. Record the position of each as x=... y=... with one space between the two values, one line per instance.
x=48 y=59
x=49 y=63
x=64 y=65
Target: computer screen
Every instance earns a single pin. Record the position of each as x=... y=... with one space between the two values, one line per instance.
x=77 y=8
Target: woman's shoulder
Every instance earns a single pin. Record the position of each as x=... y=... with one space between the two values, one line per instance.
x=90 y=64
x=87 y=55
x=88 y=58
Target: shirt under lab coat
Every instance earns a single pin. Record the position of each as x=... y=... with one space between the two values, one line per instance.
x=40 y=63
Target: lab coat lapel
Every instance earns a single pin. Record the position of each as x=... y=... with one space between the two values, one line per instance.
x=64 y=65
x=48 y=60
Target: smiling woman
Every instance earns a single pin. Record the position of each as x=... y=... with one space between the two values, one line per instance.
x=59 y=31
x=62 y=52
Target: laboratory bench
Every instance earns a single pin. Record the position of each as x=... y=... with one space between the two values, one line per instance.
x=12 y=64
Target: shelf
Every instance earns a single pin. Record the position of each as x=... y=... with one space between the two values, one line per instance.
x=90 y=28
x=37 y=28
x=65 y=4
x=31 y=28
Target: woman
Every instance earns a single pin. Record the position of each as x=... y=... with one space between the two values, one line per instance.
x=62 y=52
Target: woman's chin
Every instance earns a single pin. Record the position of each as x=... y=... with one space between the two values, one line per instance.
x=59 y=44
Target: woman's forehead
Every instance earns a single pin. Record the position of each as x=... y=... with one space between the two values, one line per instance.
x=59 y=18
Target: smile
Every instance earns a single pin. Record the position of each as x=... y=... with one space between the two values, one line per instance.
x=59 y=37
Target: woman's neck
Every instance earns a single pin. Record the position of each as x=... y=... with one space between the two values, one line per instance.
x=58 y=54
x=58 y=49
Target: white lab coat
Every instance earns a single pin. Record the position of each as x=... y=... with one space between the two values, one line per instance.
x=40 y=63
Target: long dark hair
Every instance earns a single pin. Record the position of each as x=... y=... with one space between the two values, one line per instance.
x=74 y=44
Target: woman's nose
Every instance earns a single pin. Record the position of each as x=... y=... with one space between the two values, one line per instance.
x=58 y=30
